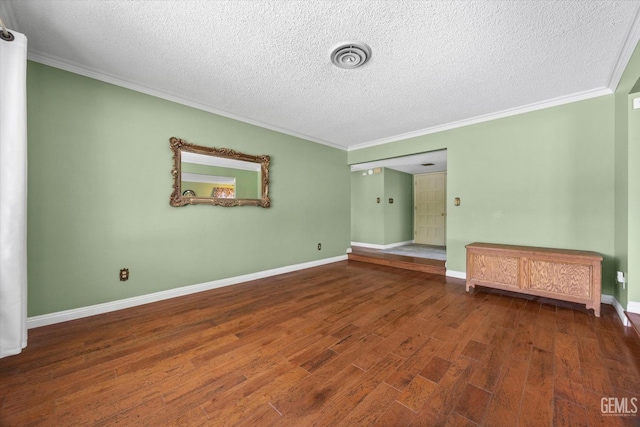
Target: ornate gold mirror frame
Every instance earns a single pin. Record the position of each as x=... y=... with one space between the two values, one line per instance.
x=179 y=198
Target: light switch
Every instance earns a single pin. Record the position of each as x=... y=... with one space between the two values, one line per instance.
x=636 y=103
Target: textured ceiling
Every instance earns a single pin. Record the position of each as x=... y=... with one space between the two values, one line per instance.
x=435 y=64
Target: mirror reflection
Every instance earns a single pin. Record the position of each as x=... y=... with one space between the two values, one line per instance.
x=208 y=176
x=218 y=176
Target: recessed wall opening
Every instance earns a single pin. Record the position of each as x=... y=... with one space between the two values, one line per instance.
x=414 y=225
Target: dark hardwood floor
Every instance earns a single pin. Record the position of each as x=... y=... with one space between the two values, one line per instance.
x=343 y=344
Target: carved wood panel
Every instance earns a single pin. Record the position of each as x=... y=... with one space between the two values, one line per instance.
x=502 y=270
x=562 y=278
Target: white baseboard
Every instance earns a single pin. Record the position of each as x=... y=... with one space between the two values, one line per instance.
x=633 y=307
x=457 y=274
x=92 y=310
x=367 y=245
x=611 y=300
x=375 y=246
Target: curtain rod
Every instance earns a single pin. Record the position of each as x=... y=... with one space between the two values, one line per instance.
x=5 y=34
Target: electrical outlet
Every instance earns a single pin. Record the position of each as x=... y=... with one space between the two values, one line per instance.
x=319 y=246
x=124 y=274
x=620 y=278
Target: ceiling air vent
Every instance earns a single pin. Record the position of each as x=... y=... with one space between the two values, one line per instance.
x=350 y=55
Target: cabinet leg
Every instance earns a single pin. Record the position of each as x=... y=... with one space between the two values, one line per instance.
x=596 y=308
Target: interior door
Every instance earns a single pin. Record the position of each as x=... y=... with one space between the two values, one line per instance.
x=430 y=208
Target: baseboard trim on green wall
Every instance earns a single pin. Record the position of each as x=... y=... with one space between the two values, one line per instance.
x=457 y=274
x=92 y=310
x=633 y=307
x=375 y=246
x=610 y=299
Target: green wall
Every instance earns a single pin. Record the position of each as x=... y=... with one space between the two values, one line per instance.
x=381 y=223
x=367 y=216
x=543 y=178
x=99 y=186
x=398 y=216
x=627 y=182
x=633 y=269
x=621 y=198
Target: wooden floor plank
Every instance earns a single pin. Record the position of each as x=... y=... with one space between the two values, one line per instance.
x=354 y=393
x=436 y=369
x=402 y=376
x=568 y=414
x=416 y=394
x=347 y=343
x=568 y=371
x=505 y=405
x=396 y=415
x=372 y=407
x=538 y=390
x=473 y=403
x=488 y=372
x=240 y=401
x=448 y=391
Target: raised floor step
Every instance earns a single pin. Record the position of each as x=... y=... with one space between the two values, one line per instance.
x=634 y=318
x=374 y=256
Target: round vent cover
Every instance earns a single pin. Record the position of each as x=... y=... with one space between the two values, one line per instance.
x=350 y=55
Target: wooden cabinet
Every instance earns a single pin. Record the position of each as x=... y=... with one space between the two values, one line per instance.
x=562 y=274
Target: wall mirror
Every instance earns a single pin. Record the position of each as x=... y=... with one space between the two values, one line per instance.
x=218 y=176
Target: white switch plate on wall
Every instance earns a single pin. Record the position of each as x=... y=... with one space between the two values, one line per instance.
x=636 y=103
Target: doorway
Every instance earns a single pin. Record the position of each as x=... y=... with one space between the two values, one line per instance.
x=430 y=208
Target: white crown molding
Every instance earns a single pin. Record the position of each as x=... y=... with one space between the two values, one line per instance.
x=208 y=160
x=96 y=75
x=630 y=43
x=92 y=310
x=580 y=96
x=207 y=179
x=41 y=58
